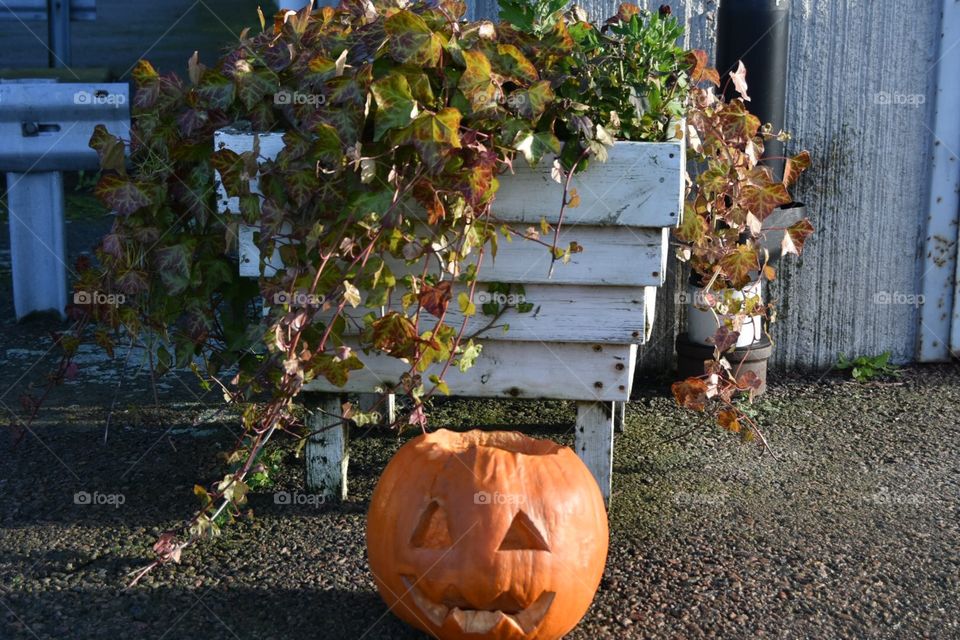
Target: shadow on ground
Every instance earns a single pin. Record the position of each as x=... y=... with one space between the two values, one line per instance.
x=852 y=532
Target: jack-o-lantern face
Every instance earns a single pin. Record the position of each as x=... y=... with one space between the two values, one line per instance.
x=487 y=535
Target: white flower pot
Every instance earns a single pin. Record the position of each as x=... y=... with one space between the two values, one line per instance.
x=703 y=321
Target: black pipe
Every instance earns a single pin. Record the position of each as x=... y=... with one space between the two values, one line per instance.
x=757 y=32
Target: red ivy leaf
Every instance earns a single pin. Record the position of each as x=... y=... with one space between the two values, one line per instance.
x=738 y=123
x=435 y=299
x=738 y=265
x=749 y=380
x=762 y=194
x=394 y=334
x=796 y=236
x=690 y=393
x=724 y=339
x=729 y=420
x=700 y=72
x=794 y=167
x=121 y=194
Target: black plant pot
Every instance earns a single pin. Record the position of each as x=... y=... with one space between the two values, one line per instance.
x=691 y=356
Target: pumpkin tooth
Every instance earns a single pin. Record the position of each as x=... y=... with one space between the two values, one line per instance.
x=529 y=618
x=476 y=620
x=436 y=612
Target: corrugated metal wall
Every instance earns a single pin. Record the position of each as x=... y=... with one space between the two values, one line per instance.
x=858 y=70
x=859 y=85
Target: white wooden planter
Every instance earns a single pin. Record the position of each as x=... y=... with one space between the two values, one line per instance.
x=580 y=340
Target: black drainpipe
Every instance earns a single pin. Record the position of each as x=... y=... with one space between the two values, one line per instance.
x=757 y=32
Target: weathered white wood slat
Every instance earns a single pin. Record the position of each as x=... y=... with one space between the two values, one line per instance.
x=640 y=185
x=619 y=416
x=610 y=315
x=594 y=442
x=613 y=256
x=514 y=370
x=326 y=448
x=605 y=315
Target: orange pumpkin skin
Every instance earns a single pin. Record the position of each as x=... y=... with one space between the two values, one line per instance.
x=487 y=535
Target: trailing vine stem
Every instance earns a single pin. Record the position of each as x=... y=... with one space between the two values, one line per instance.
x=430 y=120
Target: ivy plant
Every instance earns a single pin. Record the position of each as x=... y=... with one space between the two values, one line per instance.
x=730 y=195
x=397 y=121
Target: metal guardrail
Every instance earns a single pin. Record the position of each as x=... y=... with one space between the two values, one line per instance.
x=58 y=14
x=27 y=10
x=45 y=128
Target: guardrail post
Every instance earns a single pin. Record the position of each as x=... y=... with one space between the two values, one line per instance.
x=58 y=32
x=37 y=242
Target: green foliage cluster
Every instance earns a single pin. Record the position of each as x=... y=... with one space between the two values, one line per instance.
x=869 y=368
x=397 y=120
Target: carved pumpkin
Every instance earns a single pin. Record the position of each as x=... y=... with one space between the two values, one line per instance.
x=487 y=535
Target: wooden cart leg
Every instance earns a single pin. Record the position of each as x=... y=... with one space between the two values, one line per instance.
x=594 y=442
x=619 y=416
x=326 y=450
x=387 y=407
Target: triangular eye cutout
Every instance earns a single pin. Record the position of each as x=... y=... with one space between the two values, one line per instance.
x=433 y=531
x=523 y=535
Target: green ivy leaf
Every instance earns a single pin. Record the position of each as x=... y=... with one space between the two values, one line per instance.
x=514 y=66
x=534 y=146
x=216 y=90
x=441 y=385
x=436 y=135
x=396 y=107
x=531 y=103
x=173 y=266
x=476 y=83
x=468 y=356
x=467 y=307
x=254 y=86
x=327 y=148
x=110 y=149
x=412 y=41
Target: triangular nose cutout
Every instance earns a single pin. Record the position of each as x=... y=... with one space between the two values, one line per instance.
x=523 y=536
x=433 y=532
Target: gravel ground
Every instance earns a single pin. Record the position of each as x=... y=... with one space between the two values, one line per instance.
x=853 y=533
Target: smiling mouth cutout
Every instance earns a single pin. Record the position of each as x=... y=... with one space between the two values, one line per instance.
x=524 y=619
